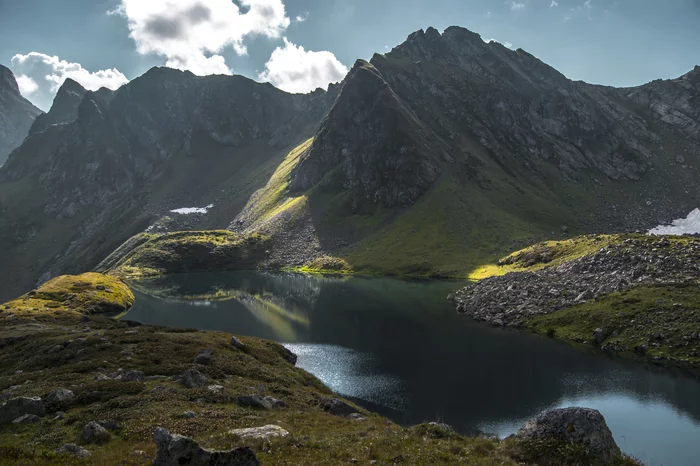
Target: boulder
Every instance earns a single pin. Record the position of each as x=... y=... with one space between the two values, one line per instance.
x=275 y=403
x=73 y=449
x=27 y=419
x=563 y=436
x=204 y=357
x=17 y=407
x=193 y=378
x=598 y=336
x=253 y=401
x=109 y=425
x=337 y=407
x=289 y=356
x=59 y=395
x=260 y=433
x=173 y=449
x=236 y=343
x=94 y=433
x=132 y=376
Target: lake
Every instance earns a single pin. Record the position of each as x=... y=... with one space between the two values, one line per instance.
x=399 y=348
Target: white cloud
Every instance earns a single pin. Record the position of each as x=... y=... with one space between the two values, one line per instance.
x=191 y=34
x=301 y=18
x=517 y=6
x=293 y=69
x=27 y=86
x=507 y=44
x=554 y=4
x=41 y=75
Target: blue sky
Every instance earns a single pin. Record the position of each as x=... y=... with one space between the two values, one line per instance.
x=302 y=44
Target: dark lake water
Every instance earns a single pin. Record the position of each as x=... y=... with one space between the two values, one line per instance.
x=399 y=348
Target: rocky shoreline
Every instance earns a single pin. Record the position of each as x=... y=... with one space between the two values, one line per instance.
x=630 y=275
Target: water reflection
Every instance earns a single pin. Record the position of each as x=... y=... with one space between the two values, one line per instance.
x=399 y=348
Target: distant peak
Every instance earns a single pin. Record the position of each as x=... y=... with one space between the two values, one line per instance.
x=8 y=83
x=69 y=85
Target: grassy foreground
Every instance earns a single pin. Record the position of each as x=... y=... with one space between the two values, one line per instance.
x=63 y=335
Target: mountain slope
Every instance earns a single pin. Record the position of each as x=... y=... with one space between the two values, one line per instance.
x=74 y=191
x=440 y=155
x=16 y=114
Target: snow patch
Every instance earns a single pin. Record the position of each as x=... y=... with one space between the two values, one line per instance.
x=192 y=210
x=683 y=226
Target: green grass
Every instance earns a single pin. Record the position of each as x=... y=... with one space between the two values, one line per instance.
x=654 y=321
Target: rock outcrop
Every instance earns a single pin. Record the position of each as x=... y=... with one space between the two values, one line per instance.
x=566 y=436
x=18 y=407
x=511 y=299
x=64 y=108
x=176 y=449
x=17 y=114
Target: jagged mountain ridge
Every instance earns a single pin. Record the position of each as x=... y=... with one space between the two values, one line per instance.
x=17 y=114
x=64 y=108
x=169 y=139
x=490 y=144
x=433 y=158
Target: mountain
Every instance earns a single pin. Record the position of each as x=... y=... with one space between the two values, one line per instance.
x=446 y=152
x=100 y=168
x=16 y=114
x=64 y=108
x=435 y=158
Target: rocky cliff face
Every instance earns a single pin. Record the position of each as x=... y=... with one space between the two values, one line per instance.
x=64 y=108
x=16 y=114
x=448 y=143
x=438 y=94
x=432 y=158
x=101 y=166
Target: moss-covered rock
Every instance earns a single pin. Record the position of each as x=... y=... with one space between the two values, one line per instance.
x=188 y=251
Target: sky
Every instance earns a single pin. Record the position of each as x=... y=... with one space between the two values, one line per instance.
x=300 y=45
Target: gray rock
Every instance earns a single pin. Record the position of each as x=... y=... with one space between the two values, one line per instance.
x=253 y=401
x=101 y=378
x=598 y=336
x=173 y=449
x=59 y=395
x=188 y=415
x=580 y=426
x=337 y=407
x=260 y=433
x=16 y=407
x=73 y=449
x=109 y=425
x=275 y=403
x=193 y=378
x=27 y=419
x=204 y=357
x=60 y=415
x=132 y=376
x=290 y=357
x=236 y=343
x=94 y=433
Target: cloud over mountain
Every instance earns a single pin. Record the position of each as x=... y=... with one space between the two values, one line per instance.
x=294 y=69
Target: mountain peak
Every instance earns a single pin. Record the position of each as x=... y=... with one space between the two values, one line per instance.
x=8 y=83
x=70 y=85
